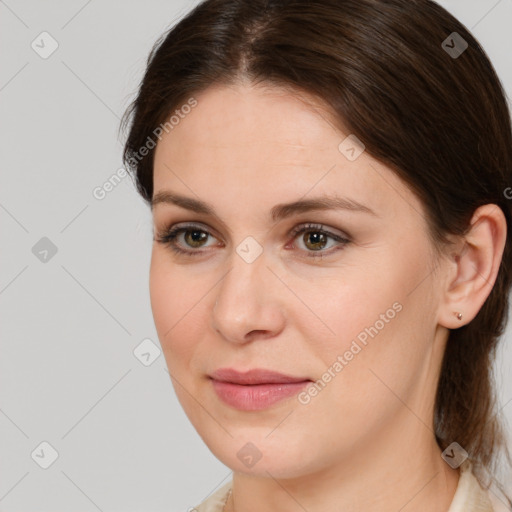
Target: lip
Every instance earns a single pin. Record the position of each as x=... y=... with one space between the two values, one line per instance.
x=254 y=376
x=256 y=389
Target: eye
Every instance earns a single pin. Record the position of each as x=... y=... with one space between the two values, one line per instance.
x=194 y=237
x=315 y=239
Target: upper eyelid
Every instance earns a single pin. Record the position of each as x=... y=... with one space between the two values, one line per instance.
x=189 y=226
x=301 y=225
x=295 y=231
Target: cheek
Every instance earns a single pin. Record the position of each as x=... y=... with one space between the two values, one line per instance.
x=370 y=319
x=162 y=295
x=174 y=306
x=345 y=306
x=381 y=347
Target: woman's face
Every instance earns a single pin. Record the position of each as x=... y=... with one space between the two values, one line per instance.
x=358 y=317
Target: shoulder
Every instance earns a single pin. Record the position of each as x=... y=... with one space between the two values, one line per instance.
x=214 y=502
x=470 y=496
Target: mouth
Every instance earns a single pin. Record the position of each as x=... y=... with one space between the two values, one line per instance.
x=256 y=389
x=254 y=377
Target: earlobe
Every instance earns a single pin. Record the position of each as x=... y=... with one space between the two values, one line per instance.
x=475 y=267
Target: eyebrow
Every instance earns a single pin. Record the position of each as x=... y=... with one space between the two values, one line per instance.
x=278 y=212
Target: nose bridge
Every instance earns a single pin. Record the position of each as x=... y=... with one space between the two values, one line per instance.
x=246 y=278
x=244 y=301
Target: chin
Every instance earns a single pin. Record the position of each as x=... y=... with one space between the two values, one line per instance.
x=255 y=452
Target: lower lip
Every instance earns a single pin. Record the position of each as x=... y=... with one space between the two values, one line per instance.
x=255 y=397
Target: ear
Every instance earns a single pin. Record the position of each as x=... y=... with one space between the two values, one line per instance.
x=473 y=267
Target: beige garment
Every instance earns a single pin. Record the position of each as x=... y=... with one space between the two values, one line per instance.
x=215 y=502
x=469 y=495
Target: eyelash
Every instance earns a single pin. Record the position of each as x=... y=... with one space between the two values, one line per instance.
x=168 y=238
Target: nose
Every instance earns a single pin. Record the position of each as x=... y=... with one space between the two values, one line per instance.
x=248 y=304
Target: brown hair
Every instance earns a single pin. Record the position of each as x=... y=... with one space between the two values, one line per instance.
x=439 y=120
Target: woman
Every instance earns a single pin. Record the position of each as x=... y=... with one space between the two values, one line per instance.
x=331 y=262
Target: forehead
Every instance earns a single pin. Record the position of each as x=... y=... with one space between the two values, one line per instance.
x=228 y=114
x=241 y=141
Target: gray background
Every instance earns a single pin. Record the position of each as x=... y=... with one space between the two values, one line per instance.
x=70 y=325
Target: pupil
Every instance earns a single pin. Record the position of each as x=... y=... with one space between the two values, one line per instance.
x=317 y=238
x=197 y=236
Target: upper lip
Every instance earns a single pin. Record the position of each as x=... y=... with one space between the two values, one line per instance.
x=254 y=376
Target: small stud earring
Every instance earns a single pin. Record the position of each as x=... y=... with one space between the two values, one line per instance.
x=458 y=315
